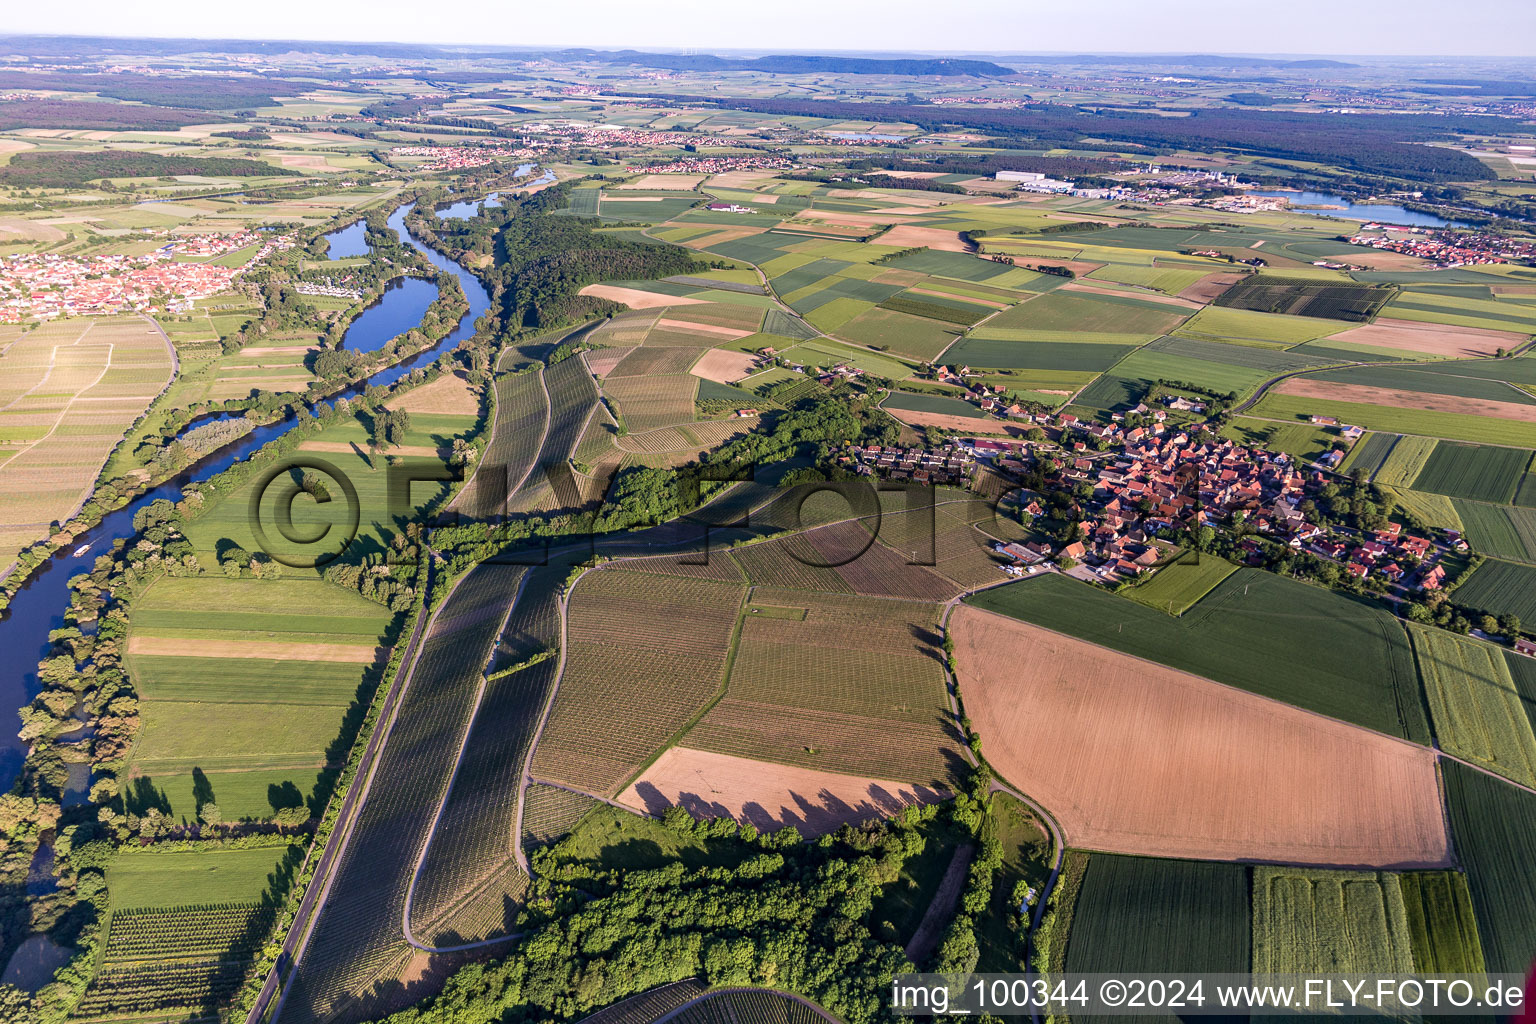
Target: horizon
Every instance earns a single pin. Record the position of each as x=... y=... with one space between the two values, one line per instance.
x=1414 y=29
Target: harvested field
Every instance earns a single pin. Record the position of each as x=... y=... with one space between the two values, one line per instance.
x=634 y=298
x=910 y=236
x=769 y=796
x=1257 y=779
x=1431 y=339
x=1210 y=286
x=958 y=424
x=272 y=651
x=1365 y=394
x=665 y=182
x=697 y=328
x=450 y=394
x=724 y=366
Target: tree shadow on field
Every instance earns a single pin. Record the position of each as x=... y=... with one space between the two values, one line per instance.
x=202 y=791
x=141 y=796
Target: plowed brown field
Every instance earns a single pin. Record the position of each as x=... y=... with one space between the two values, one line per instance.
x=1134 y=757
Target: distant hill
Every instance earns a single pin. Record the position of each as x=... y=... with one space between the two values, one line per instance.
x=71 y=169
x=790 y=64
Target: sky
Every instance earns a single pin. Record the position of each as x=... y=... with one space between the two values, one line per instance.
x=1352 y=27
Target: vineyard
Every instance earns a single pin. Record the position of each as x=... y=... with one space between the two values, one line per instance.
x=1300 y=296
x=359 y=935
x=200 y=930
x=521 y=414
x=646 y=403
x=550 y=813
x=1478 y=714
x=853 y=686
x=473 y=848
x=645 y=650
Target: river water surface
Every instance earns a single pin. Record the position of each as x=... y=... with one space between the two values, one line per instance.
x=39 y=607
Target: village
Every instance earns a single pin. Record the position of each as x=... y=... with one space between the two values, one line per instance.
x=41 y=286
x=1140 y=480
x=1446 y=248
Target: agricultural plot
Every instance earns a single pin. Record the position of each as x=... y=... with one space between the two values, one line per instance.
x=960 y=266
x=853 y=686
x=71 y=390
x=1477 y=712
x=358 y=939
x=648 y=402
x=1401 y=412
x=1441 y=923
x=1436 y=510
x=910 y=336
x=647 y=649
x=1495 y=829
x=1175 y=588
x=1302 y=440
x=1368 y=454
x=267 y=686
x=1475 y=472
x=184 y=928
x=1503 y=531
x=1220 y=322
x=825 y=353
x=470 y=873
x=551 y=813
x=522 y=413
x=1416 y=381
x=1405 y=460
x=1064 y=312
x=1463 y=311
x=1333 y=922
x=1501 y=588
x=1143 y=915
x=1324 y=792
x=1305 y=296
x=938 y=307
x=937 y=404
x=983 y=350
x=1244 y=633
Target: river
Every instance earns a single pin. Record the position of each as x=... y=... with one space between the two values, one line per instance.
x=39 y=606
x=1384 y=213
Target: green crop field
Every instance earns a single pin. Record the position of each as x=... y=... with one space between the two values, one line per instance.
x=1219 y=322
x=1404 y=462
x=1307 y=920
x=1451 y=425
x=234 y=711
x=1477 y=712
x=1522 y=669
x=823 y=352
x=1142 y=914
x=1034 y=355
x=910 y=336
x=1525 y=495
x=951 y=311
x=1432 y=509
x=1494 y=825
x=175 y=879
x=1065 y=312
x=1303 y=440
x=1501 y=588
x=1245 y=633
x=1441 y=923
x=1175 y=588
x=932 y=404
x=1369 y=453
x=950 y=264
x=1503 y=531
x=1478 y=472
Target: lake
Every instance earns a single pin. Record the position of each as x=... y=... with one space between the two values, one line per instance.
x=1385 y=213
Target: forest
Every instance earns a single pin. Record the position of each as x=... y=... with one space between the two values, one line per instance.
x=71 y=170
x=93 y=115
x=202 y=92
x=1368 y=143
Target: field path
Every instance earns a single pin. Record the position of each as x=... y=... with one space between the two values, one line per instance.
x=946 y=898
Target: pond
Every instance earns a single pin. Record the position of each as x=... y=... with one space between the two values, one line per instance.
x=1347 y=210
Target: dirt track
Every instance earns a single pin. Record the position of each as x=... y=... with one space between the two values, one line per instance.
x=1132 y=757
